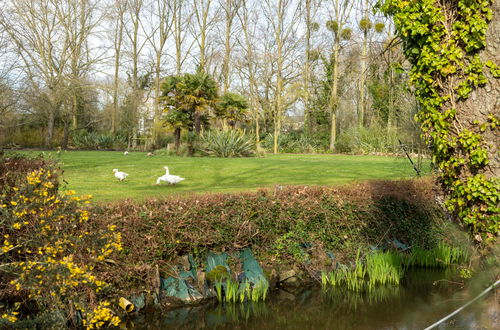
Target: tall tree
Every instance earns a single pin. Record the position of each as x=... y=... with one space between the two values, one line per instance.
x=283 y=18
x=340 y=13
x=119 y=9
x=79 y=20
x=230 y=8
x=35 y=28
x=161 y=24
x=250 y=64
x=365 y=24
x=311 y=7
x=204 y=20
x=137 y=40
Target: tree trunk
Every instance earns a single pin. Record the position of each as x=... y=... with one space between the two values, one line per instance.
x=279 y=75
x=190 y=142
x=177 y=137
x=117 y=48
x=362 y=104
x=307 y=71
x=485 y=100
x=333 y=101
x=65 y=138
x=50 y=129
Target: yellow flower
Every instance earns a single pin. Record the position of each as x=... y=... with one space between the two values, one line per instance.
x=17 y=225
x=13 y=203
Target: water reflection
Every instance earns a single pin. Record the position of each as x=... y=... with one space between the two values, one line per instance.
x=423 y=297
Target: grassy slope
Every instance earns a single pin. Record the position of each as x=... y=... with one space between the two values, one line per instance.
x=90 y=172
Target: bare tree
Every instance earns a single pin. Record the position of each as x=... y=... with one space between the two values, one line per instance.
x=7 y=67
x=79 y=19
x=161 y=24
x=340 y=13
x=134 y=30
x=250 y=64
x=119 y=11
x=311 y=7
x=231 y=8
x=283 y=18
x=34 y=27
x=204 y=19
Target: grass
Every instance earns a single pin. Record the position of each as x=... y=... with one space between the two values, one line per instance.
x=90 y=172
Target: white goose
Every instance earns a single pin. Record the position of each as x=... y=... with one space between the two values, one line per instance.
x=172 y=179
x=120 y=175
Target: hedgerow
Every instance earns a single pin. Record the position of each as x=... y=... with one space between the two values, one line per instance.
x=281 y=226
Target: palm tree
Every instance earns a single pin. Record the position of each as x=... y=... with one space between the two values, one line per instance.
x=232 y=107
x=187 y=99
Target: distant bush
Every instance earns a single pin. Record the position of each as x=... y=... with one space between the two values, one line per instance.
x=295 y=142
x=231 y=143
x=165 y=140
x=22 y=137
x=97 y=141
x=366 y=140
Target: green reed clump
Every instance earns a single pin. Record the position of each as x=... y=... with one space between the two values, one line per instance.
x=353 y=278
x=259 y=291
x=384 y=268
x=218 y=290
x=233 y=291
x=387 y=268
x=440 y=256
x=380 y=268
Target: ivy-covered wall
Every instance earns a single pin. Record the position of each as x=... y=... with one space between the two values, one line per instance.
x=454 y=49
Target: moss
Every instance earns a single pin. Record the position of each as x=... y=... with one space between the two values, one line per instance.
x=217 y=274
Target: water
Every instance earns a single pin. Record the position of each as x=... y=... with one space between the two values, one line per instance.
x=423 y=297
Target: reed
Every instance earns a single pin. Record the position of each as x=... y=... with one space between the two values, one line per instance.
x=380 y=268
x=387 y=268
x=384 y=268
x=218 y=290
x=324 y=279
x=231 y=294
x=440 y=256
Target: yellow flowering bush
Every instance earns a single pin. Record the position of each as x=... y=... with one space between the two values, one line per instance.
x=51 y=252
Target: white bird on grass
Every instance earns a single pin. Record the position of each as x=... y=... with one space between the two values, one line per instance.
x=172 y=179
x=120 y=175
x=125 y=153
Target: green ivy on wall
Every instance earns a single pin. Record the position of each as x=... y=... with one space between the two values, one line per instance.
x=442 y=41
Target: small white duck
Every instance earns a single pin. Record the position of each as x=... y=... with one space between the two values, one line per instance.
x=125 y=153
x=120 y=175
x=172 y=179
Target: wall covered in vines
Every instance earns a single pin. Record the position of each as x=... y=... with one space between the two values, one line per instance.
x=454 y=49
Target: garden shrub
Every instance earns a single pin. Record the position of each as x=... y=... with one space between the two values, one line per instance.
x=51 y=251
x=231 y=143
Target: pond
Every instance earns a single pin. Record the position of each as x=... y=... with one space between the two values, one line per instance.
x=424 y=297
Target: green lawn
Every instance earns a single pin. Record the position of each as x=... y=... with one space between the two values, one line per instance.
x=90 y=172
